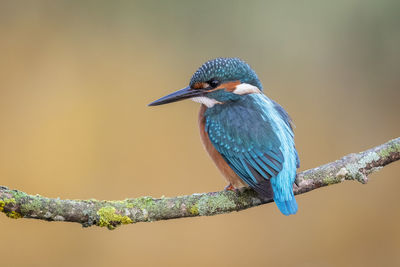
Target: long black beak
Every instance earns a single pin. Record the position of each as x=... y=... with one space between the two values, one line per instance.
x=182 y=94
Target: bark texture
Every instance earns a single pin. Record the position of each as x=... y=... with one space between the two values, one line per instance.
x=16 y=204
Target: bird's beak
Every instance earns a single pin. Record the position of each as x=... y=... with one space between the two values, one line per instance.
x=182 y=94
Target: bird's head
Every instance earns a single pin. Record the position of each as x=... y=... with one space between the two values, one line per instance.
x=217 y=81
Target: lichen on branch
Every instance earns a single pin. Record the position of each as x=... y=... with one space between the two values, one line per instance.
x=16 y=204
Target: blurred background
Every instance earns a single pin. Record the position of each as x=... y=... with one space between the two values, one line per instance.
x=75 y=79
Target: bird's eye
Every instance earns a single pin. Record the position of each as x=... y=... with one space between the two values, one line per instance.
x=213 y=83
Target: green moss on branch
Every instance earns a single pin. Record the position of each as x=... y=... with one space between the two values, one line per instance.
x=111 y=214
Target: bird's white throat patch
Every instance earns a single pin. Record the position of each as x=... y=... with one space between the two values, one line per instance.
x=245 y=88
x=209 y=102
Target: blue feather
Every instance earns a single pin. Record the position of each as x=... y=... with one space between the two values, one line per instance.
x=255 y=137
x=287 y=207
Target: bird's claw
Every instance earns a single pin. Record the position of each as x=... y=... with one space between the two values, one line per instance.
x=229 y=187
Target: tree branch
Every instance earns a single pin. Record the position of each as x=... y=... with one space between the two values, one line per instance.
x=17 y=204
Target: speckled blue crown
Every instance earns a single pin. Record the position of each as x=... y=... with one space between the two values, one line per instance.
x=224 y=70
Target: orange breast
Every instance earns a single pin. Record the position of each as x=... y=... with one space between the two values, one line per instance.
x=227 y=171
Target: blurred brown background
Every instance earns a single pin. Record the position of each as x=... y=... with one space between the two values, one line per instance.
x=75 y=79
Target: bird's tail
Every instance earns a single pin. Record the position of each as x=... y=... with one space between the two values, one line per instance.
x=287 y=207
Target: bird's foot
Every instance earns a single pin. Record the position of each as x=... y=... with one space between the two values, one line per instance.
x=229 y=187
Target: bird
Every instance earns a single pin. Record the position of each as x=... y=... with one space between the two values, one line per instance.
x=249 y=136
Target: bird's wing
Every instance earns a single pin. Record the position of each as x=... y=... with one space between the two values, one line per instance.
x=250 y=147
x=288 y=120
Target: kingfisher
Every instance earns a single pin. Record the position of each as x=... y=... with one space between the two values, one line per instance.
x=248 y=136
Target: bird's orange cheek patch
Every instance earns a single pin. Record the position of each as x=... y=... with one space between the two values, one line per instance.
x=199 y=85
x=229 y=86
